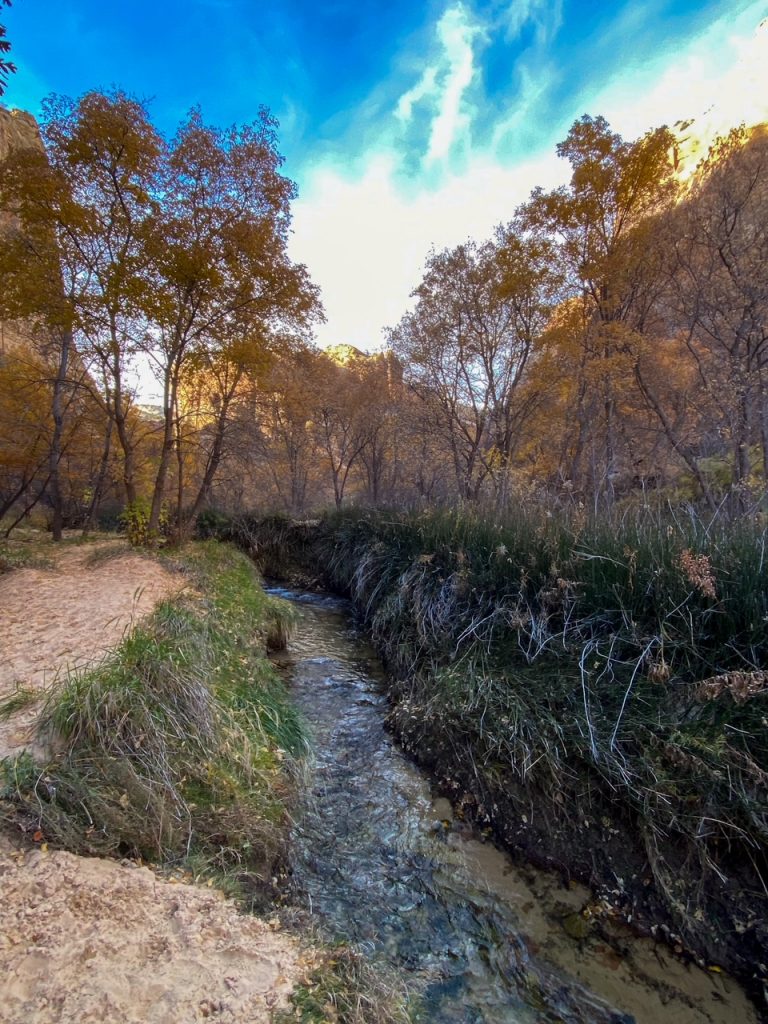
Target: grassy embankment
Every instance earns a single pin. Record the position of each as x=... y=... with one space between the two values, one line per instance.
x=182 y=748
x=178 y=747
x=596 y=694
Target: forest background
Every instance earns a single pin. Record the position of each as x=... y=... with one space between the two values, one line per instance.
x=606 y=347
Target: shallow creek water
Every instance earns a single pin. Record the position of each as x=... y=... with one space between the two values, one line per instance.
x=382 y=864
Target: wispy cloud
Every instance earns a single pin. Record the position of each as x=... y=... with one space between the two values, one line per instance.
x=445 y=161
x=457 y=34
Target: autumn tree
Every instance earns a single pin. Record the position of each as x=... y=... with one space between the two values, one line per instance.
x=219 y=397
x=105 y=157
x=382 y=430
x=220 y=268
x=127 y=244
x=33 y=288
x=287 y=445
x=599 y=221
x=78 y=259
x=466 y=345
x=339 y=418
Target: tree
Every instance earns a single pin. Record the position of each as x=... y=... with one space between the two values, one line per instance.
x=382 y=410
x=466 y=345
x=106 y=156
x=78 y=261
x=124 y=244
x=600 y=221
x=287 y=443
x=33 y=289
x=220 y=268
x=217 y=383
x=6 y=67
x=340 y=424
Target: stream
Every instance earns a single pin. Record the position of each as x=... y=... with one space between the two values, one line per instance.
x=382 y=864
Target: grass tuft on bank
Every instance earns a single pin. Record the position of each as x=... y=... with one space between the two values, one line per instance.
x=180 y=745
x=343 y=987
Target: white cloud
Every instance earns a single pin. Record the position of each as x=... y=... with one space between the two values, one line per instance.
x=365 y=239
x=364 y=231
x=424 y=88
x=457 y=34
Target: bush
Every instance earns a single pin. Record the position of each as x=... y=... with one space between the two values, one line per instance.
x=135 y=521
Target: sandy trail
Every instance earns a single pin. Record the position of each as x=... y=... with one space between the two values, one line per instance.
x=84 y=940
x=62 y=618
x=87 y=941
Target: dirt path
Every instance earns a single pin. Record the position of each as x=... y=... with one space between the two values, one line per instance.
x=87 y=941
x=84 y=940
x=65 y=617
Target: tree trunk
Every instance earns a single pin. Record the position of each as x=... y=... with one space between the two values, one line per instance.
x=119 y=413
x=98 y=488
x=57 y=411
x=211 y=468
x=179 y=479
x=169 y=406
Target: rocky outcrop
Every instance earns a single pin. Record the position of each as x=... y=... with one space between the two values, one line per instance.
x=18 y=130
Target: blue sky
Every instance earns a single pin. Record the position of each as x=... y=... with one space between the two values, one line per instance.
x=405 y=124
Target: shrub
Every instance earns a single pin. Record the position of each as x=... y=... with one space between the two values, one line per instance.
x=135 y=520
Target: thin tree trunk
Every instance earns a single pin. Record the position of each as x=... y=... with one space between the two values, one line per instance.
x=27 y=508
x=169 y=406
x=179 y=478
x=58 y=410
x=119 y=413
x=98 y=488
x=214 y=460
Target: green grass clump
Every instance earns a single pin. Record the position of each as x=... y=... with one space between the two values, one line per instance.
x=344 y=987
x=180 y=744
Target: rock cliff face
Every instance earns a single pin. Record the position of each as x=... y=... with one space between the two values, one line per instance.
x=18 y=130
x=742 y=99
